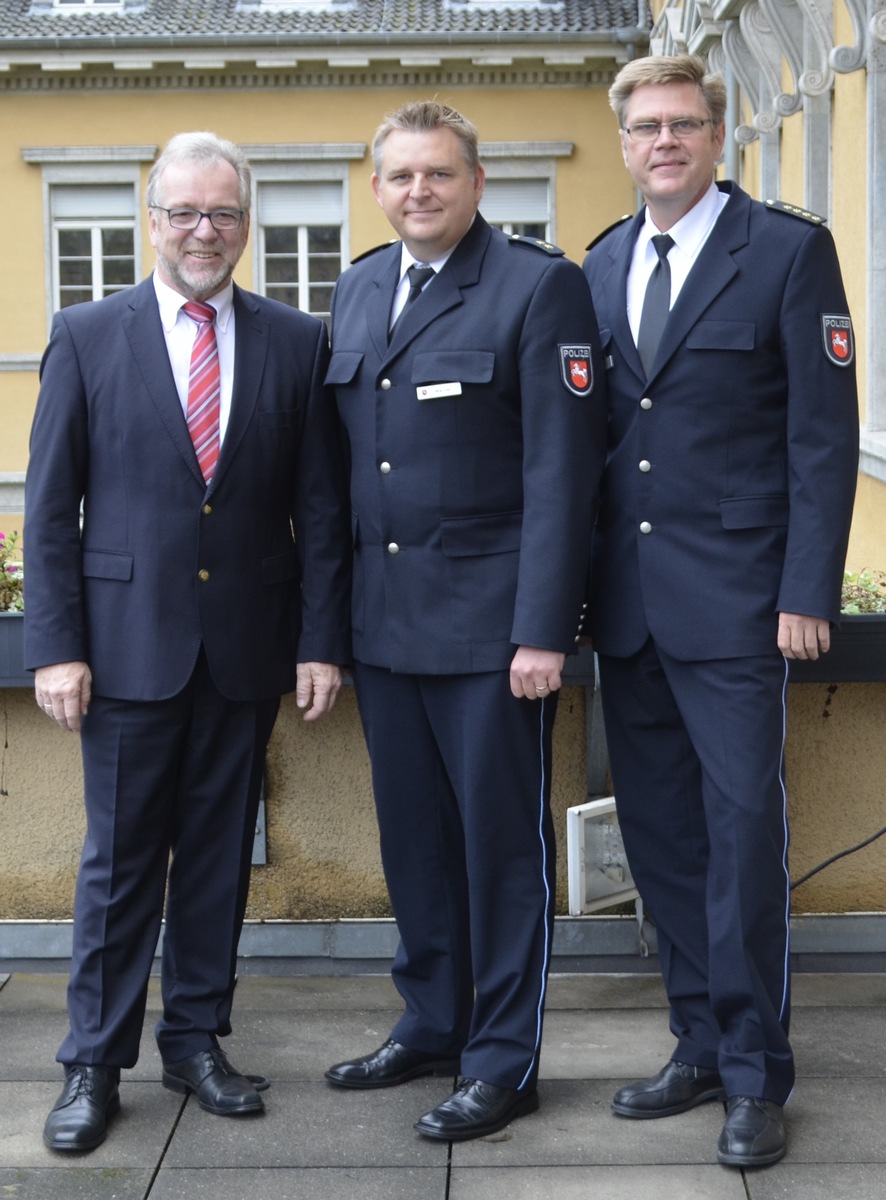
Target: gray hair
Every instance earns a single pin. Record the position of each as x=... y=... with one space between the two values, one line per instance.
x=200 y=148
x=424 y=116
x=663 y=69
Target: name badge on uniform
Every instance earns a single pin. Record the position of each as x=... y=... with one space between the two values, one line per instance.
x=433 y=391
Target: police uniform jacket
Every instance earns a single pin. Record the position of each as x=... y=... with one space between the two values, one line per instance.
x=729 y=483
x=476 y=437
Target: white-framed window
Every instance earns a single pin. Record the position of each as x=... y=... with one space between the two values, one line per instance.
x=92 y=214
x=98 y=5
x=520 y=192
x=519 y=206
x=299 y=241
x=93 y=241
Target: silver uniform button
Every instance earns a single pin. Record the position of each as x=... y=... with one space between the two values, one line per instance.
x=393 y=548
x=385 y=468
x=646 y=403
x=645 y=465
x=385 y=385
x=645 y=527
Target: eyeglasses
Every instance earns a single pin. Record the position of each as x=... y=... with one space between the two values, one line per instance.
x=222 y=219
x=682 y=128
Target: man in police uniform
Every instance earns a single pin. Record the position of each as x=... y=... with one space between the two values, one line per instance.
x=476 y=423
x=719 y=553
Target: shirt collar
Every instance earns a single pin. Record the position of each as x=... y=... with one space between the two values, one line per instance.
x=170 y=302
x=693 y=227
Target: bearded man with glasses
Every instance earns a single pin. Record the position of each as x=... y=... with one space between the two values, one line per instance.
x=718 y=556
x=210 y=576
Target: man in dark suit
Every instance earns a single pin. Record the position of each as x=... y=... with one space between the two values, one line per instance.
x=189 y=418
x=475 y=417
x=719 y=552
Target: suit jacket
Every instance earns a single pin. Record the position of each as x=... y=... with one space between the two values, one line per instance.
x=252 y=567
x=730 y=476
x=474 y=463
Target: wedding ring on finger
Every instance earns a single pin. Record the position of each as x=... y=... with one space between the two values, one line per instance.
x=543 y=688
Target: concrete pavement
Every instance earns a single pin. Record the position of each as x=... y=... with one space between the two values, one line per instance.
x=318 y=1143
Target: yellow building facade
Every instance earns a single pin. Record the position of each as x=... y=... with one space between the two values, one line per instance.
x=89 y=92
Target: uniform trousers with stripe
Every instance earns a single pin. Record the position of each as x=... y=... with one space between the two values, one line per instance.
x=697 y=756
x=461 y=774
x=181 y=778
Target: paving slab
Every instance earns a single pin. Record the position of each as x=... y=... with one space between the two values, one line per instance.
x=315 y=1125
x=330 y=1183
x=837 y=1121
x=574 y=1127
x=75 y=1183
x=606 y=991
x=832 y=990
x=606 y=1044
x=822 y=1181
x=138 y=1134
x=601 y=1183
x=839 y=1041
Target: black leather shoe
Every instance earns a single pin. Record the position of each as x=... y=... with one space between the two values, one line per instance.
x=753 y=1133
x=79 y=1119
x=261 y=1083
x=475 y=1109
x=389 y=1065
x=218 y=1088
x=676 y=1088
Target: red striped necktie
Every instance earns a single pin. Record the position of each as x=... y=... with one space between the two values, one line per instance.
x=204 y=387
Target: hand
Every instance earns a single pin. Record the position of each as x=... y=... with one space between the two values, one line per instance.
x=803 y=637
x=535 y=673
x=63 y=691
x=317 y=684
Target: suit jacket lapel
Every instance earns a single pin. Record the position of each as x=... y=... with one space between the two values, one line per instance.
x=711 y=272
x=144 y=332
x=378 y=304
x=445 y=292
x=614 y=286
x=250 y=353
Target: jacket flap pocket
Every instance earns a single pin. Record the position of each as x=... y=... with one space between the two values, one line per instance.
x=453 y=366
x=493 y=533
x=343 y=366
x=748 y=512
x=107 y=564
x=279 y=568
x=721 y=335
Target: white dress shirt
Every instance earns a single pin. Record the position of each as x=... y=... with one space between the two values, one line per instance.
x=690 y=233
x=181 y=333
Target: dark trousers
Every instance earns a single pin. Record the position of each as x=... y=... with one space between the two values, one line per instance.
x=697 y=763
x=178 y=777
x=461 y=773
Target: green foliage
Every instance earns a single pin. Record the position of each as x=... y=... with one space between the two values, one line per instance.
x=864 y=592
x=11 y=574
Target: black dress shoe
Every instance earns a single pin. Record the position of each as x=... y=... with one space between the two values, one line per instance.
x=79 y=1119
x=753 y=1133
x=475 y=1109
x=676 y=1088
x=261 y=1083
x=389 y=1065
x=218 y=1088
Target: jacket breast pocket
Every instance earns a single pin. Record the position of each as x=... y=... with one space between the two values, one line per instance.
x=343 y=367
x=453 y=366
x=754 y=512
x=721 y=335
x=280 y=568
x=107 y=564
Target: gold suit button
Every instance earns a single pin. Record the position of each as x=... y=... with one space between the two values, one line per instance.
x=203 y=575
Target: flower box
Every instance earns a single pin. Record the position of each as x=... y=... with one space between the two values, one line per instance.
x=857 y=653
x=12 y=671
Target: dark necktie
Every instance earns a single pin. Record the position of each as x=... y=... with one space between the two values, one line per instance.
x=204 y=387
x=656 y=304
x=419 y=274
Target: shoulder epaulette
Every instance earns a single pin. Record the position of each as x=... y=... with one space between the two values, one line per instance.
x=537 y=244
x=608 y=229
x=793 y=210
x=374 y=250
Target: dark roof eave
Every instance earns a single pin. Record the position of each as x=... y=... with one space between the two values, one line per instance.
x=617 y=36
